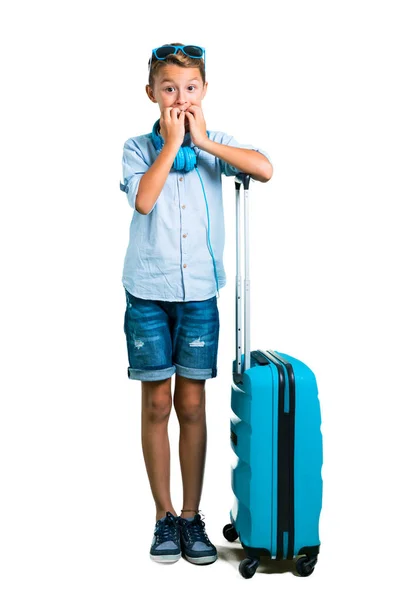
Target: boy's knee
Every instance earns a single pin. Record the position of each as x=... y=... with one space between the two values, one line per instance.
x=190 y=408
x=157 y=400
x=190 y=414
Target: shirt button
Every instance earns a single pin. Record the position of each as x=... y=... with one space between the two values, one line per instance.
x=185 y=266
x=183 y=205
x=180 y=178
x=185 y=234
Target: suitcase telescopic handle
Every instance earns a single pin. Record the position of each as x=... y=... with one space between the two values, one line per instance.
x=242 y=178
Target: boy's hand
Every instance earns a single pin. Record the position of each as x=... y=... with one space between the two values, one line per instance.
x=197 y=124
x=172 y=126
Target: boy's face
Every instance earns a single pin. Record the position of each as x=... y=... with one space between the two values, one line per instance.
x=178 y=87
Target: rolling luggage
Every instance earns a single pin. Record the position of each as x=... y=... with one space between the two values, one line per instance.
x=276 y=437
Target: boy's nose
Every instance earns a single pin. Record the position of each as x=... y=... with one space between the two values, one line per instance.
x=181 y=99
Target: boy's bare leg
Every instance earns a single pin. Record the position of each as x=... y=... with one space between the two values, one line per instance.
x=189 y=402
x=156 y=408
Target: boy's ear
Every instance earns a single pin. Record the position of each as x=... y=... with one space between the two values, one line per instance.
x=204 y=89
x=150 y=94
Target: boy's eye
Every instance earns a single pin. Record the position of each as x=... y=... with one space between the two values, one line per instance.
x=171 y=87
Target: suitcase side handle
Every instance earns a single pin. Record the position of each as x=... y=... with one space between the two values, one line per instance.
x=242 y=178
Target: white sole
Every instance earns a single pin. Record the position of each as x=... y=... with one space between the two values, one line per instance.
x=201 y=560
x=165 y=558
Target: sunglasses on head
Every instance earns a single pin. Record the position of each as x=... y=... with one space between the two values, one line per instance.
x=162 y=52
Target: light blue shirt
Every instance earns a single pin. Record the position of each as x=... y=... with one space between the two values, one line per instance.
x=168 y=256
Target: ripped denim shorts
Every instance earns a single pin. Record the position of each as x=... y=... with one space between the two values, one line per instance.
x=164 y=338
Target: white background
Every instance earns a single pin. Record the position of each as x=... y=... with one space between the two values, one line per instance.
x=316 y=85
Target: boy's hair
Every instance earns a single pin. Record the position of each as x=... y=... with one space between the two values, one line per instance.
x=180 y=59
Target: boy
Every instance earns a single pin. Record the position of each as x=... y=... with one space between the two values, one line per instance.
x=172 y=178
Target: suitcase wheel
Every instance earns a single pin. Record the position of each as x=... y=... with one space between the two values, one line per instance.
x=305 y=565
x=248 y=567
x=230 y=533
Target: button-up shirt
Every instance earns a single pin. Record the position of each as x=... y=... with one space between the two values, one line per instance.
x=168 y=256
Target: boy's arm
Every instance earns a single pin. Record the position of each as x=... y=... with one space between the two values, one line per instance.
x=152 y=182
x=247 y=161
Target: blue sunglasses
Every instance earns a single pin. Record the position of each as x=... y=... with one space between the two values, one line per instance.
x=162 y=52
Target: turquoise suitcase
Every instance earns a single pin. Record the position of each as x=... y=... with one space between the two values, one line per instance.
x=277 y=441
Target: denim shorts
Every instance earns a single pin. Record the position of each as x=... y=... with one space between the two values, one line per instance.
x=164 y=338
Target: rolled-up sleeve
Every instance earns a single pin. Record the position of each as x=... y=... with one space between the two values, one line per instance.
x=133 y=167
x=228 y=140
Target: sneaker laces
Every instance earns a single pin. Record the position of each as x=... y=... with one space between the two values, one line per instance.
x=196 y=529
x=166 y=530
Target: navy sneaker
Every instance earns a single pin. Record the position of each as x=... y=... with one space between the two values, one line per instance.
x=196 y=547
x=166 y=546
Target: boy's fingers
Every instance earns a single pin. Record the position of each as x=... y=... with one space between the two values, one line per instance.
x=174 y=111
x=167 y=111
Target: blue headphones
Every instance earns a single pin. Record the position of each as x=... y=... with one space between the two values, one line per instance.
x=186 y=158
